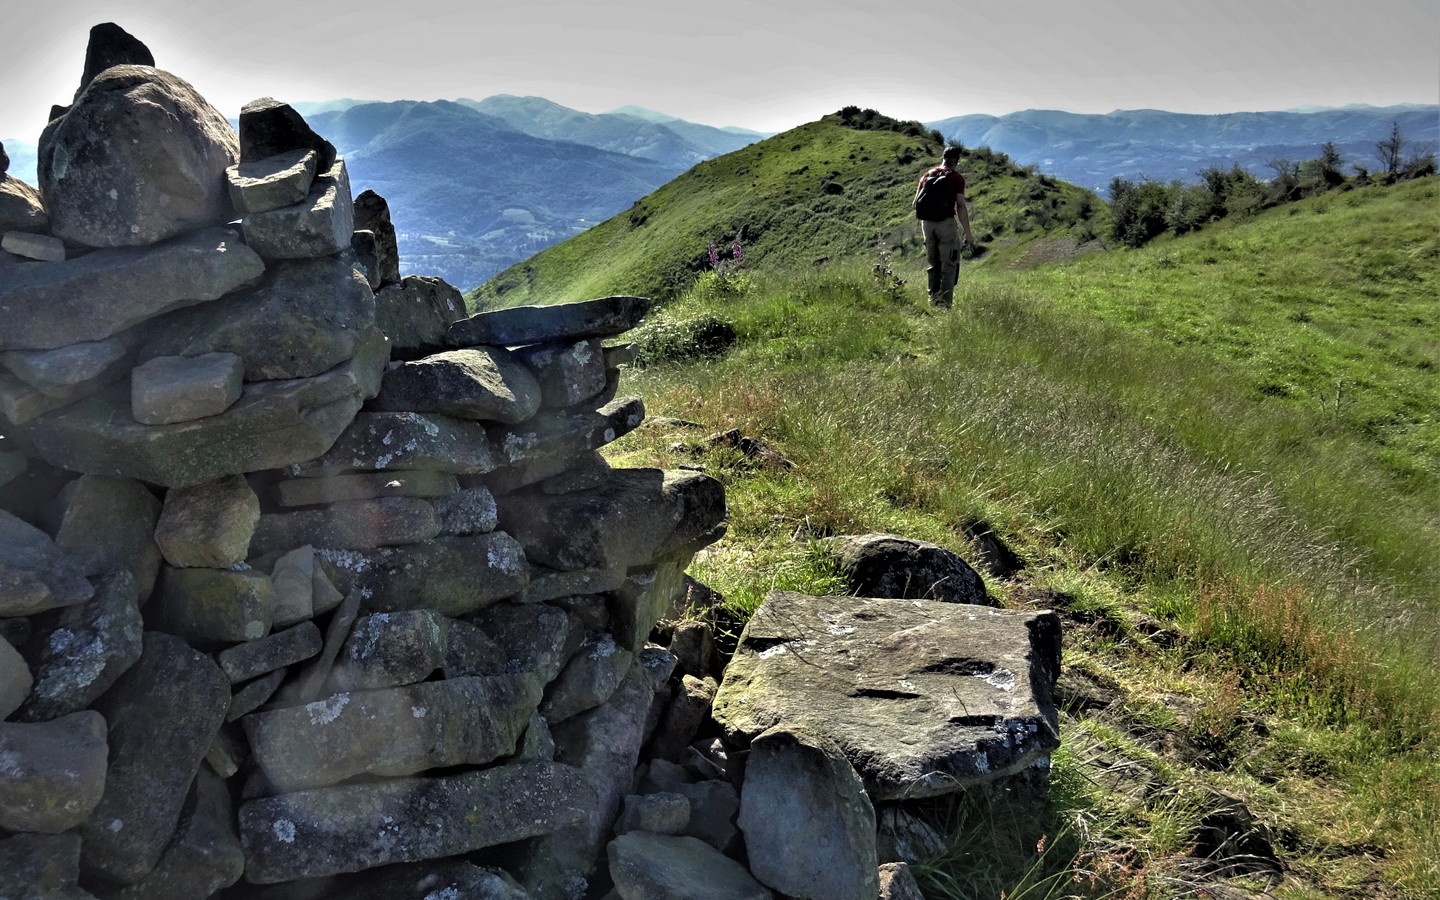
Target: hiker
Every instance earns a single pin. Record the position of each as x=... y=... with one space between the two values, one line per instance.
x=939 y=200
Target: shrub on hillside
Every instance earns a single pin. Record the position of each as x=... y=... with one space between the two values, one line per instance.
x=663 y=340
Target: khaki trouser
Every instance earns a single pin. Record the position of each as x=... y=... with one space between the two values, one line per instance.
x=942 y=252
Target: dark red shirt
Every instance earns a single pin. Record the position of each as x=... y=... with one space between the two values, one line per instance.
x=954 y=184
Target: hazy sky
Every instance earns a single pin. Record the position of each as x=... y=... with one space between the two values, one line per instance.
x=755 y=64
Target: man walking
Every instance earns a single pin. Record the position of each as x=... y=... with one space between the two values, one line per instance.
x=939 y=202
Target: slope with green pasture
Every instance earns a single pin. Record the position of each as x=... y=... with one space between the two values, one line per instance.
x=827 y=190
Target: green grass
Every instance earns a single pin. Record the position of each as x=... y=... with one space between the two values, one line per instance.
x=1110 y=418
x=822 y=192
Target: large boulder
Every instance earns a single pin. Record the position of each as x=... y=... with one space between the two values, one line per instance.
x=475 y=383
x=111 y=45
x=140 y=157
x=269 y=127
x=887 y=565
x=306 y=317
x=973 y=686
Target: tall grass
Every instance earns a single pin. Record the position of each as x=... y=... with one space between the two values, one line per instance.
x=1097 y=450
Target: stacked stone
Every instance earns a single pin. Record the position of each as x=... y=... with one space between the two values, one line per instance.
x=302 y=573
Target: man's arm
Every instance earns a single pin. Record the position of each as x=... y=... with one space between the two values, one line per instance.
x=962 y=210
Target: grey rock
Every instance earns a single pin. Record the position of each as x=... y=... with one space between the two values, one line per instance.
x=534 y=639
x=809 y=826
x=111 y=45
x=368 y=486
x=54 y=772
x=381 y=441
x=887 y=565
x=254 y=694
x=36 y=575
x=19 y=402
x=41 y=867
x=209 y=525
x=392 y=649
x=713 y=807
x=587 y=680
x=163 y=715
x=57 y=373
x=109 y=523
x=658 y=813
x=265 y=184
x=452 y=575
x=227 y=752
x=973 y=684
x=559 y=435
x=319 y=225
x=213 y=605
x=293 y=578
x=276 y=651
x=363 y=256
x=551 y=584
x=169 y=389
x=205 y=854
x=897 y=882
x=415 y=313
x=648 y=866
x=470 y=511
x=352 y=525
x=639 y=516
x=619 y=355
x=449 y=879
x=15 y=679
x=39 y=247
x=269 y=127
x=587 y=471
x=588 y=611
x=902 y=836
x=12 y=466
x=568 y=372
x=21 y=208
x=372 y=214
x=688 y=710
x=540 y=324
x=306 y=317
x=139 y=158
x=693 y=644
x=100 y=294
x=310 y=682
x=452 y=722
x=649 y=592
x=275 y=424
x=476 y=383
x=537 y=742
x=604 y=744
x=80 y=651
x=359 y=826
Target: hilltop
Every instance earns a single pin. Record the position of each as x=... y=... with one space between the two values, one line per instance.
x=827 y=190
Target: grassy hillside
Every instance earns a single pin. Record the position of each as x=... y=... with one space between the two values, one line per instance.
x=1247 y=574
x=825 y=191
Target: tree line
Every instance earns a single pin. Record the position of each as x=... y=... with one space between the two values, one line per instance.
x=1144 y=209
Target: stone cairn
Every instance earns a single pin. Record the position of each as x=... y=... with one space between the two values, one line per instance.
x=313 y=586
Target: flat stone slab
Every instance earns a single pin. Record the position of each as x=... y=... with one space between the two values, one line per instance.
x=486 y=383
x=365 y=486
x=392 y=731
x=923 y=698
x=98 y=295
x=280 y=180
x=381 y=441
x=59 y=372
x=666 y=867
x=564 y=435
x=452 y=575
x=636 y=517
x=352 y=525
x=274 y=424
x=517 y=325
x=41 y=247
x=327 y=831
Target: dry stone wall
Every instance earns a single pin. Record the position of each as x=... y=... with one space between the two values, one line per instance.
x=303 y=571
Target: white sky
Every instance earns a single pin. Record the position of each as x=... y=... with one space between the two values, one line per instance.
x=754 y=64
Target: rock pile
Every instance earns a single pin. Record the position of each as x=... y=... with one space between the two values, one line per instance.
x=313 y=586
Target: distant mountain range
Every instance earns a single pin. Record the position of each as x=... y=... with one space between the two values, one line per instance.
x=475 y=186
x=1091 y=150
